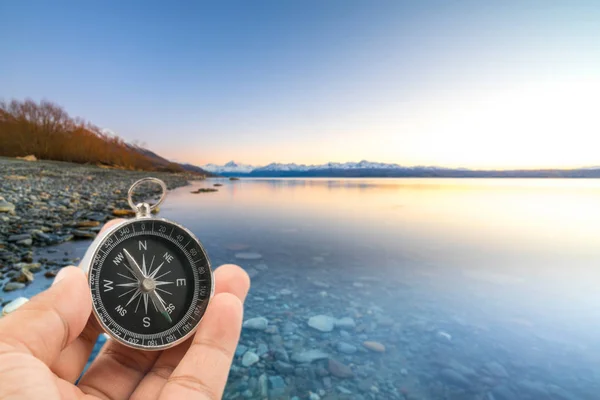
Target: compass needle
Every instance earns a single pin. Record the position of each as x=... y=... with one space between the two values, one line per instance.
x=150 y=279
x=128 y=284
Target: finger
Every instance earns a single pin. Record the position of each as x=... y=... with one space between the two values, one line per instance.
x=116 y=371
x=73 y=358
x=228 y=279
x=203 y=371
x=232 y=279
x=50 y=321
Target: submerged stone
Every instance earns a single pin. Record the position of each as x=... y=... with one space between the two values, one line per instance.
x=322 y=323
x=248 y=256
x=258 y=323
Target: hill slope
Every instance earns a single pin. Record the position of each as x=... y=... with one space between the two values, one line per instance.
x=47 y=131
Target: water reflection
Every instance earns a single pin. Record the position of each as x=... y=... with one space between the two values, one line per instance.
x=508 y=269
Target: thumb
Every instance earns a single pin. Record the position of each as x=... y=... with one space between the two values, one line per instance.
x=51 y=320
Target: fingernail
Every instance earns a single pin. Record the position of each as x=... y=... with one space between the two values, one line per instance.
x=61 y=275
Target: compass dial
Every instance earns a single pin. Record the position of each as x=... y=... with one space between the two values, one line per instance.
x=151 y=282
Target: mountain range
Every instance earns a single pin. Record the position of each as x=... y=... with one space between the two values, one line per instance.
x=376 y=169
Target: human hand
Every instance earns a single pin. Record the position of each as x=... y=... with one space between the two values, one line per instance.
x=45 y=344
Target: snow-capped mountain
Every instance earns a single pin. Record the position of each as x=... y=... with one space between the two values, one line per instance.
x=375 y=169
x=230 y=167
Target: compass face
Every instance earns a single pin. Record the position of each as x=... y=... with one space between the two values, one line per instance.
x=151 y=282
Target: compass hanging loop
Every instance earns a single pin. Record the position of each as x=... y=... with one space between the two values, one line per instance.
x=144 y=209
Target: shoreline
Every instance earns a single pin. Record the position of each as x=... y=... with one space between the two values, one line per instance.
x=47 y=203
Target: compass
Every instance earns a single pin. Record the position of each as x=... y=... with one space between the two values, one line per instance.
x=150 y=279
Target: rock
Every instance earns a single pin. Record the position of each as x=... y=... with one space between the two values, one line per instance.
x=248 y=256
x=374 y=346
x=281 y=354
x=343 y=390
x=496 y=369
x=345 y=323
x=321 y=284
x=346 y=348
x=39 y=235
x=289 y=328
x=258 y=324
x=249 y=358
x=25 y=277
x=262 y=349
x=263 y=388
x=82 y=234
x=123 y=213
x=283 y=367
x=87 y=224
x=13 y=305
x=33 y=267
x=309 y=356
x=237 y=246
x=19 y=238
x=338 y=369
x=455 y=378
x=277 y=382
x=262 y=267
x=322 y=323
x=10 y=286
x=6 y=207
x=50 y=274
x=29 y=157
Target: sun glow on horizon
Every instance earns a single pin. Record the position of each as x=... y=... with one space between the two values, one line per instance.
x=533 y=125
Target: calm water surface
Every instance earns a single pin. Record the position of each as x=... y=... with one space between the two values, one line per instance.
x=494 y=281
x=478 y=289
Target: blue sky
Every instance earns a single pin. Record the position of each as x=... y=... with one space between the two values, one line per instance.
x=455 y=83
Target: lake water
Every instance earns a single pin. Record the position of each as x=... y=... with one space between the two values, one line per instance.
x=478 y=288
